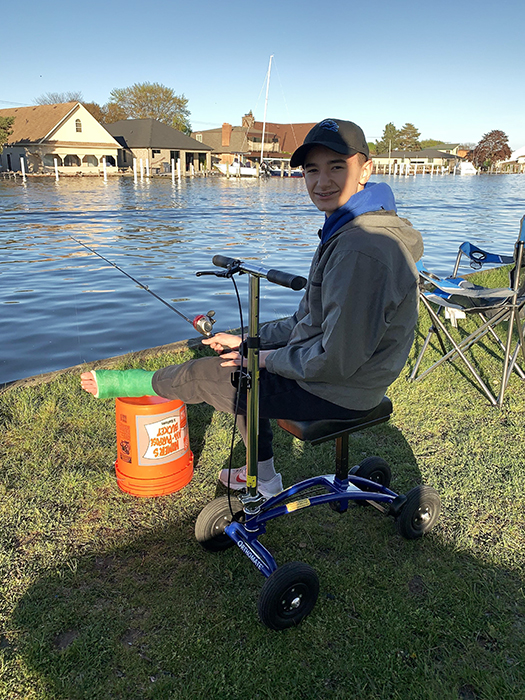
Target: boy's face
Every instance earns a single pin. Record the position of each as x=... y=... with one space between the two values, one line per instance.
x=331 y=178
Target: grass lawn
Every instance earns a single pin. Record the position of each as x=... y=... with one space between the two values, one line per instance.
x=105 y=595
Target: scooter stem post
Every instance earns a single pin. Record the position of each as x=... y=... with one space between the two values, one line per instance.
x=252 y=399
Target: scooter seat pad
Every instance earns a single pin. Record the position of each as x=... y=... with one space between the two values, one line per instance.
x=317 y=431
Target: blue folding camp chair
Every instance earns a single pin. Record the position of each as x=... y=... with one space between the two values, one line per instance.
x=491 y=306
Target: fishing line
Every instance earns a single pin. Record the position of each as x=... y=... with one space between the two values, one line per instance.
x=202 y=322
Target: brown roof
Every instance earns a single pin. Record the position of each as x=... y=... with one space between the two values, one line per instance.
x=290 y=136
x=213 y=138
x=32 y=124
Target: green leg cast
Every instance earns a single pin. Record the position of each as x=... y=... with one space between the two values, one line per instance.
x=112 y=384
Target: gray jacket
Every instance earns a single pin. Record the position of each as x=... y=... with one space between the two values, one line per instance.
x=353 y=330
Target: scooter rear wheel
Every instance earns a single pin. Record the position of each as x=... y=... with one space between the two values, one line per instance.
x=288 y=595
x=375 y=469
x=419 y=513
x=213 y=520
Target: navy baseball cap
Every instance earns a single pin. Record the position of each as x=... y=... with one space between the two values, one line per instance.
x=342 y=137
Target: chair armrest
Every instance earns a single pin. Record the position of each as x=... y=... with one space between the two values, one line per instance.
x=480 y=257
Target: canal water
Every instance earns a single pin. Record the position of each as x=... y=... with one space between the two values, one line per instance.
x=60 y=305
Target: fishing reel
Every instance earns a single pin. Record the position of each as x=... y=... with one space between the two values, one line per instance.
x=204 y=323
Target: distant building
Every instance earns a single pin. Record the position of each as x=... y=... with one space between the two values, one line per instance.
x=63 y=133
x=518 y=156
x=427 y=156
x=159 y=144
x=227 y=142
x=515 y=163
x=450 y=148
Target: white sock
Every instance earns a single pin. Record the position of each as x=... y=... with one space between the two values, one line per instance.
x=266 y=469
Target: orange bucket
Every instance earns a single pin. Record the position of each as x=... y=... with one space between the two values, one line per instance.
x=153 y=447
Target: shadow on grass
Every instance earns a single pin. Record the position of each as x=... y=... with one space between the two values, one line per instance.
x=158 y=617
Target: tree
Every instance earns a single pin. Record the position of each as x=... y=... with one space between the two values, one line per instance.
x=493 y=147
x=95 y=110
x=409 y=138
x=112 y=113
x=107 y=114
x=152 y=100
x=6 y=130
x=389 y=140
x=57 y=98
x=430 y=143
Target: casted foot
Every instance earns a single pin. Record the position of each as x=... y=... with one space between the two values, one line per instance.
x=89 y=383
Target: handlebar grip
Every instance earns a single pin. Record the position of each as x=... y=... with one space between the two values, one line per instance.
x=222 y=261
x=285 y=279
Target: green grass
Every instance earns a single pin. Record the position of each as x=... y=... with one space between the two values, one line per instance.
x=105 y=595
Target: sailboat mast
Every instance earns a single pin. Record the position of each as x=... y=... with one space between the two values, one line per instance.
x=265 y=107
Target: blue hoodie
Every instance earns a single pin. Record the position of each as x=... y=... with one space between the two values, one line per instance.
x=374 y=197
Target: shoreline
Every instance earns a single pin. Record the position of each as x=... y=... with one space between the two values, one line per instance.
x=14 y=175
x=106 y=363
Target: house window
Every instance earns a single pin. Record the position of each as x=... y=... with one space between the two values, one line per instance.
x=49 y=159
x=430 y=161
x=78 y=126
x=155 y=152
x=198 y=137
x=71 y=160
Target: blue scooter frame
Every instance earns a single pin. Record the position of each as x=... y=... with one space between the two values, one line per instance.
x=245 y=534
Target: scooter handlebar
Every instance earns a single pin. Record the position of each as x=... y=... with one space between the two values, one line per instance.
x=285 y=279
x=222 y=261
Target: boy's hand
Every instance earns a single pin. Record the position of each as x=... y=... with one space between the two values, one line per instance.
x=223 y=341
x=233 y=359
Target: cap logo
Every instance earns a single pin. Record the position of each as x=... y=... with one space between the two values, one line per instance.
x=330 y=125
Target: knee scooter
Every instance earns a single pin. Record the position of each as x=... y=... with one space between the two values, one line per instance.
x=290 y=591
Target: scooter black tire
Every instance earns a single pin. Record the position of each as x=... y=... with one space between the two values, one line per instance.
x=288 y=595
x=213 y=520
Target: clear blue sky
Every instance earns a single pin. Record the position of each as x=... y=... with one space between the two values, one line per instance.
x=454 y=69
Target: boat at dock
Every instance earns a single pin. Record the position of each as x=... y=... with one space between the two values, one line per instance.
x=465 y=168
x=237 y=169
x=283 y=169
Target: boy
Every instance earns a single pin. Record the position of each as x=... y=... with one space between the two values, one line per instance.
x=351 y=335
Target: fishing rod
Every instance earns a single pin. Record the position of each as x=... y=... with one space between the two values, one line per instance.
x=203 y=323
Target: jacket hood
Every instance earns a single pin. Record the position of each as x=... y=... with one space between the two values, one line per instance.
x=401 y=228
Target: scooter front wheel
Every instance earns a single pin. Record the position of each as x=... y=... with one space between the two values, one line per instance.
x=213 y=520
x=288 y=595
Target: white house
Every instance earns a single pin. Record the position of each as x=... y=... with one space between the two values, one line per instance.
x=66 y=133
x=518 y=156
